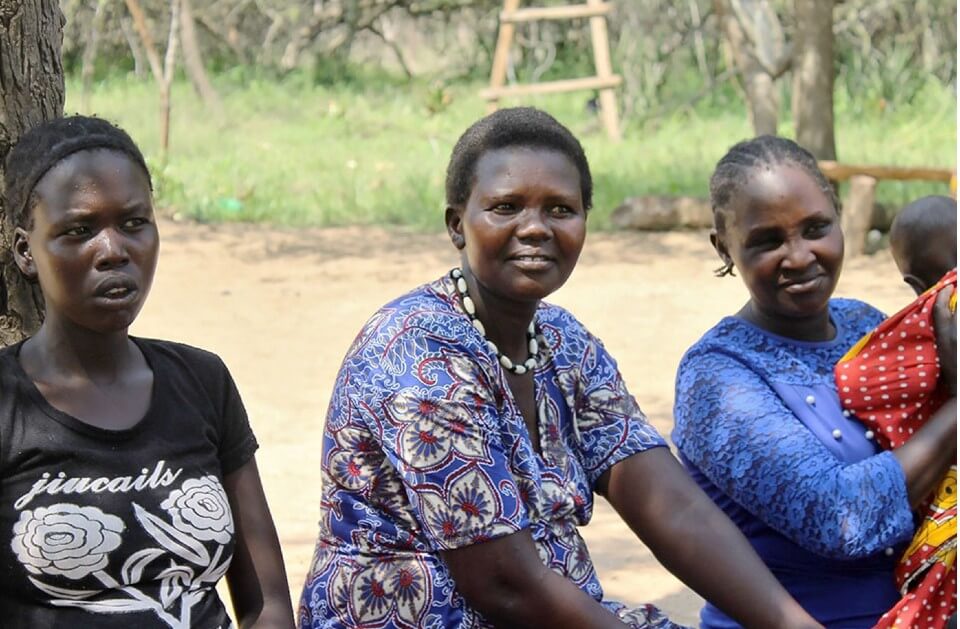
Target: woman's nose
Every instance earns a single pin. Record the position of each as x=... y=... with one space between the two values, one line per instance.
x=799 y=255
x=111 y=249
x=532 y=225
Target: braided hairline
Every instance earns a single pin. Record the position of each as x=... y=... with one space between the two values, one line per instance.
x=743 y=159
x=44 y=146
x=765 y=151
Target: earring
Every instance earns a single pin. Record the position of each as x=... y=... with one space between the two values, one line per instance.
x=726 y=269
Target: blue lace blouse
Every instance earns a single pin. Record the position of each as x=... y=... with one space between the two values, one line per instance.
x=425 y=450
x=760 y=428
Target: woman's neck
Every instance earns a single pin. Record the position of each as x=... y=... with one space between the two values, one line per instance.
x=814 y=328
x=61 y=349
x=504 y=320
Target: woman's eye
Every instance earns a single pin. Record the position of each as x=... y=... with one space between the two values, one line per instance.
x=504 y=208
x=77 y=231
x=133 y=223
x=818 y=230
x=561 y=210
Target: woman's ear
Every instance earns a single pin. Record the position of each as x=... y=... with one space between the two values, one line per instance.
x=720 y=247
x=22 y=255
x=455 y=227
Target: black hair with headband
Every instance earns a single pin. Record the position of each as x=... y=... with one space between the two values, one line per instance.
x=44 y=146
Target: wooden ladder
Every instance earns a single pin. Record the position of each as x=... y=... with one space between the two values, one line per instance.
x=605 y=80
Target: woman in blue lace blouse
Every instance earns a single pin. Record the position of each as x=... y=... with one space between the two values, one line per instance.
x=758 y=419
x=471 y=424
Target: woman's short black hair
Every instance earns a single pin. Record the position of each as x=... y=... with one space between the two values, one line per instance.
x=745 y=158
x=44 y=146
x=513 y=127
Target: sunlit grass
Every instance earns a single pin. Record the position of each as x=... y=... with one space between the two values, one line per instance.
x=296 y=153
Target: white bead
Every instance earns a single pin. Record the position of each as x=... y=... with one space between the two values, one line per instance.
x=837 y=434
x=531 y=330
x=868 y=434
x=468 y=305
x=506 y=362
x=846 y=413
x=479 y=326
x=519 y=370
x=456 y=274
x=530 y=363
x=534 y=347
x=493 y=348
x=811 y=400
x=888 y=551
x=462 y=285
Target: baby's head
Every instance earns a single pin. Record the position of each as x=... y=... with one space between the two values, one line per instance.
x=923 y=239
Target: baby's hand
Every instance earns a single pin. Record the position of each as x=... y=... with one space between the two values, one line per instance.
x=945 y=322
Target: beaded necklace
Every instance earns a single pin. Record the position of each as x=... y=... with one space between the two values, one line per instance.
x=470 y=308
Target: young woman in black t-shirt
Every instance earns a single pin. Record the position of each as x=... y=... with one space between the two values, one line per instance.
x=128 y=485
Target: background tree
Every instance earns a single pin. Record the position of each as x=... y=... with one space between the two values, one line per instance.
x=31 y=91
x=813 y=78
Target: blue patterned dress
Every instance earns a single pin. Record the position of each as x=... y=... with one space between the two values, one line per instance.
x=760 y=427
x=425 y=450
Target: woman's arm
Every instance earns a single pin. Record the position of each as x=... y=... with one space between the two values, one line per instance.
x=932 y=449
x=694 y=540
x=257 y=579
x=734 y=428
x=505 y=580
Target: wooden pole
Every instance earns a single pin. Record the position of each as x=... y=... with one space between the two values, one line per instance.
x=842 y=172
x=501 y=54
x=857 y=212
x=601 y=58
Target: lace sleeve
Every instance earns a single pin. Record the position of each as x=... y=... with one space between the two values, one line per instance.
x=735 y=429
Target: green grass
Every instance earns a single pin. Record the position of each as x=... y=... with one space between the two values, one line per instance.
x=294 y=152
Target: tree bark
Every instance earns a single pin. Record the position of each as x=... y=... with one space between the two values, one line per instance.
x=31 y=92
x=193 y=60
x=756 y=42
x=89 y=61
x=813 y=77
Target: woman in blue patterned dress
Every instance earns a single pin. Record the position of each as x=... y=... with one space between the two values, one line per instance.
x=758 y=418
x=471 y=424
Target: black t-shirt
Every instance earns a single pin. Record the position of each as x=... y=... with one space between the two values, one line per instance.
x=120 y=528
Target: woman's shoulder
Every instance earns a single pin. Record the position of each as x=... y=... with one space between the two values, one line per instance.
x=428 y=312
x=175 y=359
x=854 y=315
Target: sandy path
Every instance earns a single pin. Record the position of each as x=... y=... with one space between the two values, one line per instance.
x=282 y=306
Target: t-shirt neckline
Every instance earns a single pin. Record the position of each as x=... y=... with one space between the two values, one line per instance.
x=77 y=424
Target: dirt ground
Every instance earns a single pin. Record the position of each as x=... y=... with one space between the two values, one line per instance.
x=281 y=307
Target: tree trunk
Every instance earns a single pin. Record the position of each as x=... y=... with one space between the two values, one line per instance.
x=31 y=92
x=813 y=77
x=89 y=61
x=193 y=61
x=763 y=99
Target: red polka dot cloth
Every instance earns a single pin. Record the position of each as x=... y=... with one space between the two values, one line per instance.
x=888 y=380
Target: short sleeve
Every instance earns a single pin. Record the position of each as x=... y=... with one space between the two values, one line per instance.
x=441 y=428
x=609 y=423
x=734 y=428
x=237 y=441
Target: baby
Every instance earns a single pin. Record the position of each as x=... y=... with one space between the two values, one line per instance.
x=923 y=239
x=890 y=380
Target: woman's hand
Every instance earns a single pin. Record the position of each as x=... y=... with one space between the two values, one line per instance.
x=945 y=323
x=257 y=579
x=695 y=540
x=505 y=580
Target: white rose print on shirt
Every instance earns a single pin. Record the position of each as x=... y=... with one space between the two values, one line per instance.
x=64 y=539
x=72 y=541
x=200 y=508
